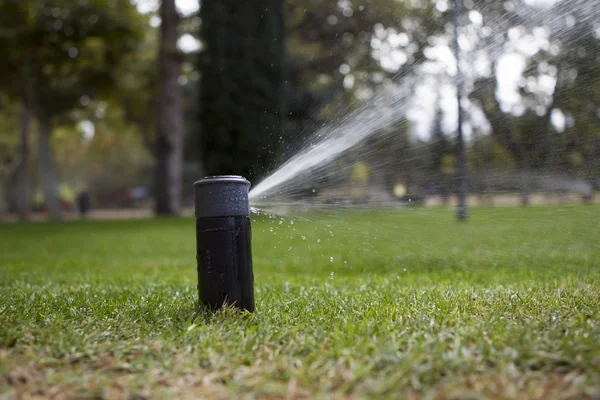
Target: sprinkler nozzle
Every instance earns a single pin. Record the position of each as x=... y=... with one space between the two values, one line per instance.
x=223 y=242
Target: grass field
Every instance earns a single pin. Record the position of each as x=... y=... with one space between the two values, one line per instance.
x=403 y=304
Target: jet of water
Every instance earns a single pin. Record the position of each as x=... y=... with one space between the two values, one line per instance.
x=386 y=107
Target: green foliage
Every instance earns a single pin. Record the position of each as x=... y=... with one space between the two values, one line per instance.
x=62 y=50
x=58 y=56
x=9 y=128
x=448 y=164
x=402 y=304
x=578 y=96
x=325 y=35
x=530 y=138
x=484 y=153
x=360 y=173
x=114 y=158
x=138 y=86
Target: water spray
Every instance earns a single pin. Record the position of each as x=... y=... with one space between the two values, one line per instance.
x=223 y=242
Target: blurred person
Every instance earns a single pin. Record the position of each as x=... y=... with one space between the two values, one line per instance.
x=83 y=203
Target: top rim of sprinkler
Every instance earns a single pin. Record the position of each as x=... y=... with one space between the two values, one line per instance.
x=222 y=179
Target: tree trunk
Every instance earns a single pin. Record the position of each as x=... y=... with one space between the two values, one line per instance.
x=463 y=184
x=23 y=195
x=46 y=168
x=524 y=185
x=169 y=140
x=243 y=82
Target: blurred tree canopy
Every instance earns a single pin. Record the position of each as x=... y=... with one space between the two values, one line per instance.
x=569 y=57
x=60 y=51
x=82 y=77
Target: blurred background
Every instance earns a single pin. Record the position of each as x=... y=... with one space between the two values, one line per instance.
x=117 y=106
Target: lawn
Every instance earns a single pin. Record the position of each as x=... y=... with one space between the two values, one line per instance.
x=395 y=304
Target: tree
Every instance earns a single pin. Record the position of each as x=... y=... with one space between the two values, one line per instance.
x=169 y=134
x=9 y=149
x=61 y=51
x=530 y=138
x=140 y=98
x=577 y=96
x=514 y=139
x=15 y=155
x=138 y=82
x=443 y=158
x=107 y=163
x=340 y=48
x=23 y=195
x=325 y=35
x=242 y=90
x=463 y=190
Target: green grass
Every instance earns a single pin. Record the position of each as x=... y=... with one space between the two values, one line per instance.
x=396 y=304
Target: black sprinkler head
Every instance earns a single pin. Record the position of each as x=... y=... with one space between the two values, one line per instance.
x=223 y=242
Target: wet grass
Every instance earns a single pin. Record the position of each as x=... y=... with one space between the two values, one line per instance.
x=395 y=304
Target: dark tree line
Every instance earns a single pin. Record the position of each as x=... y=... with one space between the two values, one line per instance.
x=271 y=72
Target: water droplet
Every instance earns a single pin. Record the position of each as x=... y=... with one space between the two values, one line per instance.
x=331 y=274
x=404 y=269
x=318 y=240
x=303 y=237
x=330 y=259
x=280 y=222
x=313 y=190
x=271 y=229
x=292 y=222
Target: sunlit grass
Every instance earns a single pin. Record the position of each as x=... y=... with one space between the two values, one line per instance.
x=396 y=303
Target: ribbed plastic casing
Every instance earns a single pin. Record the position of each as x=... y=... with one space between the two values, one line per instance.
x=223 y=242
